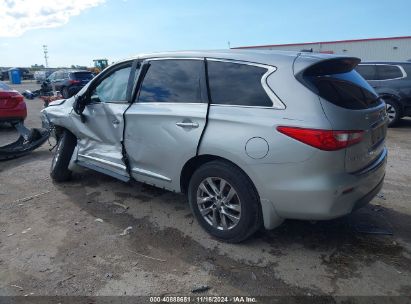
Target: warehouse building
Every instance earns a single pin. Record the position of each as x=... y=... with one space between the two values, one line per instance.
x=372 y=49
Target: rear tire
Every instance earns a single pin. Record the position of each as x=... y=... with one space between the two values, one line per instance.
x=393 y=112
x=243 y=205
x=59 y=170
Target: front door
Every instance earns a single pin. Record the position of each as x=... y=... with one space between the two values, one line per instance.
x=164 y=126
x=101 y=132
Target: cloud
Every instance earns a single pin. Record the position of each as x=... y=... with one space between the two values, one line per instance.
x=19 y=16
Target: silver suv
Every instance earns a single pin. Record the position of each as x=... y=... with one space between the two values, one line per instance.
x=252 y=137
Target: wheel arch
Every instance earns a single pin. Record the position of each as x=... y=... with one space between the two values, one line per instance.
x=195 y=162
x=392 y=95
x=395 y=99
x=58 y=131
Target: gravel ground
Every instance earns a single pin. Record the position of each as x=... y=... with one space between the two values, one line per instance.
x=53 y=243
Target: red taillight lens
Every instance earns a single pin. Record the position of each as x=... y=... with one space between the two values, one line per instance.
x=326 y=140
x=74 y=81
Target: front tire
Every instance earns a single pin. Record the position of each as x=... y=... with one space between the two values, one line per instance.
x=224 y=201
x=59 y=170
x=65 y=93
x=393 y=112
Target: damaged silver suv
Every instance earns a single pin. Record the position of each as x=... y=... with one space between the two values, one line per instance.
x=252 y=137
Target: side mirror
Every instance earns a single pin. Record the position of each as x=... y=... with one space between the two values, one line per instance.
x=79 y=104
x=94 y=99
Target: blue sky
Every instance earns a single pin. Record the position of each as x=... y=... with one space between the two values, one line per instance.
x=117 y=29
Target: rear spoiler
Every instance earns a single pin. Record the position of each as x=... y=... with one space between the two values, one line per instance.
x=328 y=66
x=332 y=66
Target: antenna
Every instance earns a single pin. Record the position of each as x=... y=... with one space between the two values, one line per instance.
x=46 y=57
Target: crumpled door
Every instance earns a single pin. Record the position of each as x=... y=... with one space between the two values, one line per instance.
x=100 y=134
x=100 y=142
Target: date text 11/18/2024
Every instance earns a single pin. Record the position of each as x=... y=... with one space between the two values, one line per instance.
x=203 y=299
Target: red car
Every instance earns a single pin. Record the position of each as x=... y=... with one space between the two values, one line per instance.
x=12 y=105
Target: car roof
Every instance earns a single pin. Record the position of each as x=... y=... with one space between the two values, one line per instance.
x=270 y=57
x=71 y=71
x=80 y=71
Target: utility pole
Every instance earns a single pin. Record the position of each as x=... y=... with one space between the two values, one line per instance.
x=46 y=57
x=229 y=44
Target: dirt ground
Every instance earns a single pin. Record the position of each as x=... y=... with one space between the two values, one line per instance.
x=66 y=239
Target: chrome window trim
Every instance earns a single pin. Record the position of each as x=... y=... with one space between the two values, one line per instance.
x=404 y=73
x=277 y=103
x=242 y=106
x=173 y=58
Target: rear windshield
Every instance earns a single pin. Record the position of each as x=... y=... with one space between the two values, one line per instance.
x=348 y=90
x=81 y=75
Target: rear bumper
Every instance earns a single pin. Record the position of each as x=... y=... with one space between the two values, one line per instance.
x=369 y=196
x=299 y=192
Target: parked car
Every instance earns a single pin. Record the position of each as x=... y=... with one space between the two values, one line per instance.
x=252 y=137
x=69 y=82
x=392 y=81
x=42 y=75
x=26 y=74
x=12 y=105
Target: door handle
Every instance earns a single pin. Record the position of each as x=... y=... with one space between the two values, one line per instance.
x=115 y=122
x=187 y=124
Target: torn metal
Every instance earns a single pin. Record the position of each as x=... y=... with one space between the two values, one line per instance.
x=99 y=146
x=29 y=140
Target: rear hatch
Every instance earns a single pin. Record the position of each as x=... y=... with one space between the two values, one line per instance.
x=349 y=103
x=82 y=77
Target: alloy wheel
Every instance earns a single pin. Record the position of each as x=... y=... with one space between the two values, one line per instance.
x=391 y=112
x=219 y=203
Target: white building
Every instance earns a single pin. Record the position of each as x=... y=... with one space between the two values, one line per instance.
x=372 y=49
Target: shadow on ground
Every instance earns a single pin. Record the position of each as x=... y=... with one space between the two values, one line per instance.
x=339 y=243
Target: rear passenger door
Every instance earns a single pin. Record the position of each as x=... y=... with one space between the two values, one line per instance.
x=165 y=123
x=243 y=112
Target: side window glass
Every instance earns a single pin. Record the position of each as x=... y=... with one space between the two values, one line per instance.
x=368 y=72
x=113 y=88
x=173 y=81
x=388 y=72
x=237 y=84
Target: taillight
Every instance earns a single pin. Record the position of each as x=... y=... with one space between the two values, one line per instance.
x=326 y=140
x=17 y=98
x=74 y=81
x=10 y=101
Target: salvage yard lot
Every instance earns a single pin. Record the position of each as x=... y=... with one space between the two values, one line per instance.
x=72 y=238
